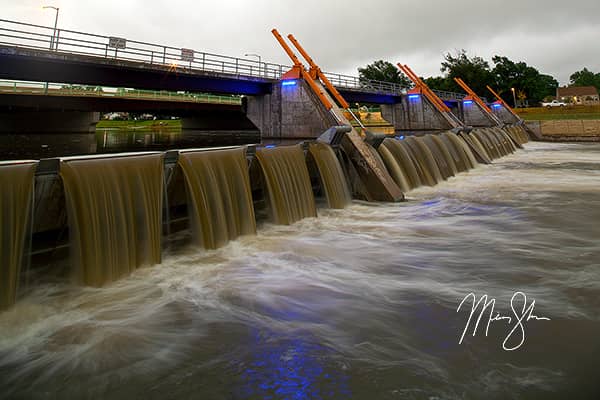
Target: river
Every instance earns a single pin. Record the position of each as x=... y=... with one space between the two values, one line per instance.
x=359 y=303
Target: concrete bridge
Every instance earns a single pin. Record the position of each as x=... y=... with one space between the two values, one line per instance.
x=278 y=108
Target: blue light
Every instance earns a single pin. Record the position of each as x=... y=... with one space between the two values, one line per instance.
x=401 y=137
x=413 y=96
x=270 y=146
x=468 y=102
x=496 y=105
x=289 y=82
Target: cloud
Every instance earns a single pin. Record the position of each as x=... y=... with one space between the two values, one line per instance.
x=557 y=37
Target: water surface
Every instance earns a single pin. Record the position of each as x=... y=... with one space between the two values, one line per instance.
x=359 y=303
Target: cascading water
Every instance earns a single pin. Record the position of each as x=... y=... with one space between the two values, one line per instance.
x=427 y=166
x=404 y=163
x=16 y=181
x=114 y=208
x=463 y=149
x=220 y=199
x=333 y=180
x=287 y=182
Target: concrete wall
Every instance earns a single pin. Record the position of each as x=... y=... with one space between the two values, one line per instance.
x=473 y=115
x=567 y=130
x=289 y=112
x=504 y=115
x=20 y=121
x=414 y=114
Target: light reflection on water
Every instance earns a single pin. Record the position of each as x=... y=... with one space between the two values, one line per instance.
x=359 y=303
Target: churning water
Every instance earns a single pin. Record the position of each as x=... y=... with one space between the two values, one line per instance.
x=358 y=303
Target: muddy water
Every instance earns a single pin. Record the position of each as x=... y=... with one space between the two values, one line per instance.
x=358 y=303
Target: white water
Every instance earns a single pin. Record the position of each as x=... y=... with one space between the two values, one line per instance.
x=358 y=303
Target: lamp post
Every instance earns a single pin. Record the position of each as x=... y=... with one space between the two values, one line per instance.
x=514 y=96
x=53 y=40
x=259 y=60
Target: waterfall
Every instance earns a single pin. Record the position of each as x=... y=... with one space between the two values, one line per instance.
x=394 y=167
x=333 y=180
x=463 y=149
x=442 y=156
x=220 y=199
x=398 y=149
x=431 y=172
x=477 y=148
x=16 y=181
x=287 y=182
x=114 y=209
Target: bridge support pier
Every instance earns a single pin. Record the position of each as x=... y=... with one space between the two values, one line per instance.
x=414 y=114
x=290 y=111
x=473 y=115
x=503 y=114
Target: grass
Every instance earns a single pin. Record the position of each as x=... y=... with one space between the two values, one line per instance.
x=175 y=123
x=558 y=113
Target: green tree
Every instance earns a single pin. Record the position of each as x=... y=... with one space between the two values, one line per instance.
x=440 y=83
x=526 y=80
x=585 y=77
x=475 y=71
x=383 y=71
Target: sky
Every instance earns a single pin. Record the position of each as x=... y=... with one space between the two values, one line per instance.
x=556 y=37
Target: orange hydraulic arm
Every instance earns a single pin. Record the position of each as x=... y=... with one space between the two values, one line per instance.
x=302 y=71
x=437 y=102
x=316 y=73
x=473 y=95
x=497 y=96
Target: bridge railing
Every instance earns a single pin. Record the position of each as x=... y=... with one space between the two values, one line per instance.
x=69 y=90
x=20 y=34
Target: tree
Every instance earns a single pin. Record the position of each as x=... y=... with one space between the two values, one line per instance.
x=585 y=77
x=440 y=83
x=526 y=80
x=475 y=71
x=383 y=71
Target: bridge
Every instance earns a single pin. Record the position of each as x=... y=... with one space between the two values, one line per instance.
x=38 y=53
x=44 y=54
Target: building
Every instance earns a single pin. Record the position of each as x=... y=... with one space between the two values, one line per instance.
x=586 y=95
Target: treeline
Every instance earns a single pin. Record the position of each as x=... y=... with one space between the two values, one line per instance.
x=529 y=84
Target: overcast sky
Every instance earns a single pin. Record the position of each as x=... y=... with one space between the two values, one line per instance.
x=556 y=37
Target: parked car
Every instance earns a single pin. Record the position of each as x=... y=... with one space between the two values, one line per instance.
x=554 y=103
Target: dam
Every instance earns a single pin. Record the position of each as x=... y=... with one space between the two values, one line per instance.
x=326 y=262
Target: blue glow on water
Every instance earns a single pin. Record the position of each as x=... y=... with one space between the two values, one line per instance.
x=288 y=367
x=289 y=82
x=401 y=137
x=270 y=146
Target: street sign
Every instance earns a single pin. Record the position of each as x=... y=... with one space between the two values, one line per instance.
x=187 y=55
x=117 y=43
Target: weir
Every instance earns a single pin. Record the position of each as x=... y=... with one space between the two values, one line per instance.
x=331 y=174
x=114 y=208
x=16 y=181
x=220 y=199
x=290 y=195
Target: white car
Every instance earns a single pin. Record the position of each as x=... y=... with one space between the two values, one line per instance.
x=554 y=103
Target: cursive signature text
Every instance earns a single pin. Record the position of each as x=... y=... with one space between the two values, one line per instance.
x=485 y=306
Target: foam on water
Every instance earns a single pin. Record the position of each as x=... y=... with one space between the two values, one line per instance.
x=358 y=303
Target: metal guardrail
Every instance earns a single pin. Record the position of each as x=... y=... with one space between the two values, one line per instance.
x=39 y=37
x=69 y=90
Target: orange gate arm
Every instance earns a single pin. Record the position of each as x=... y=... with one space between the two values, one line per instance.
x=299 y=67
x=437 y=102
x=471 y=93
x=316 y=73
x=497 y=96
